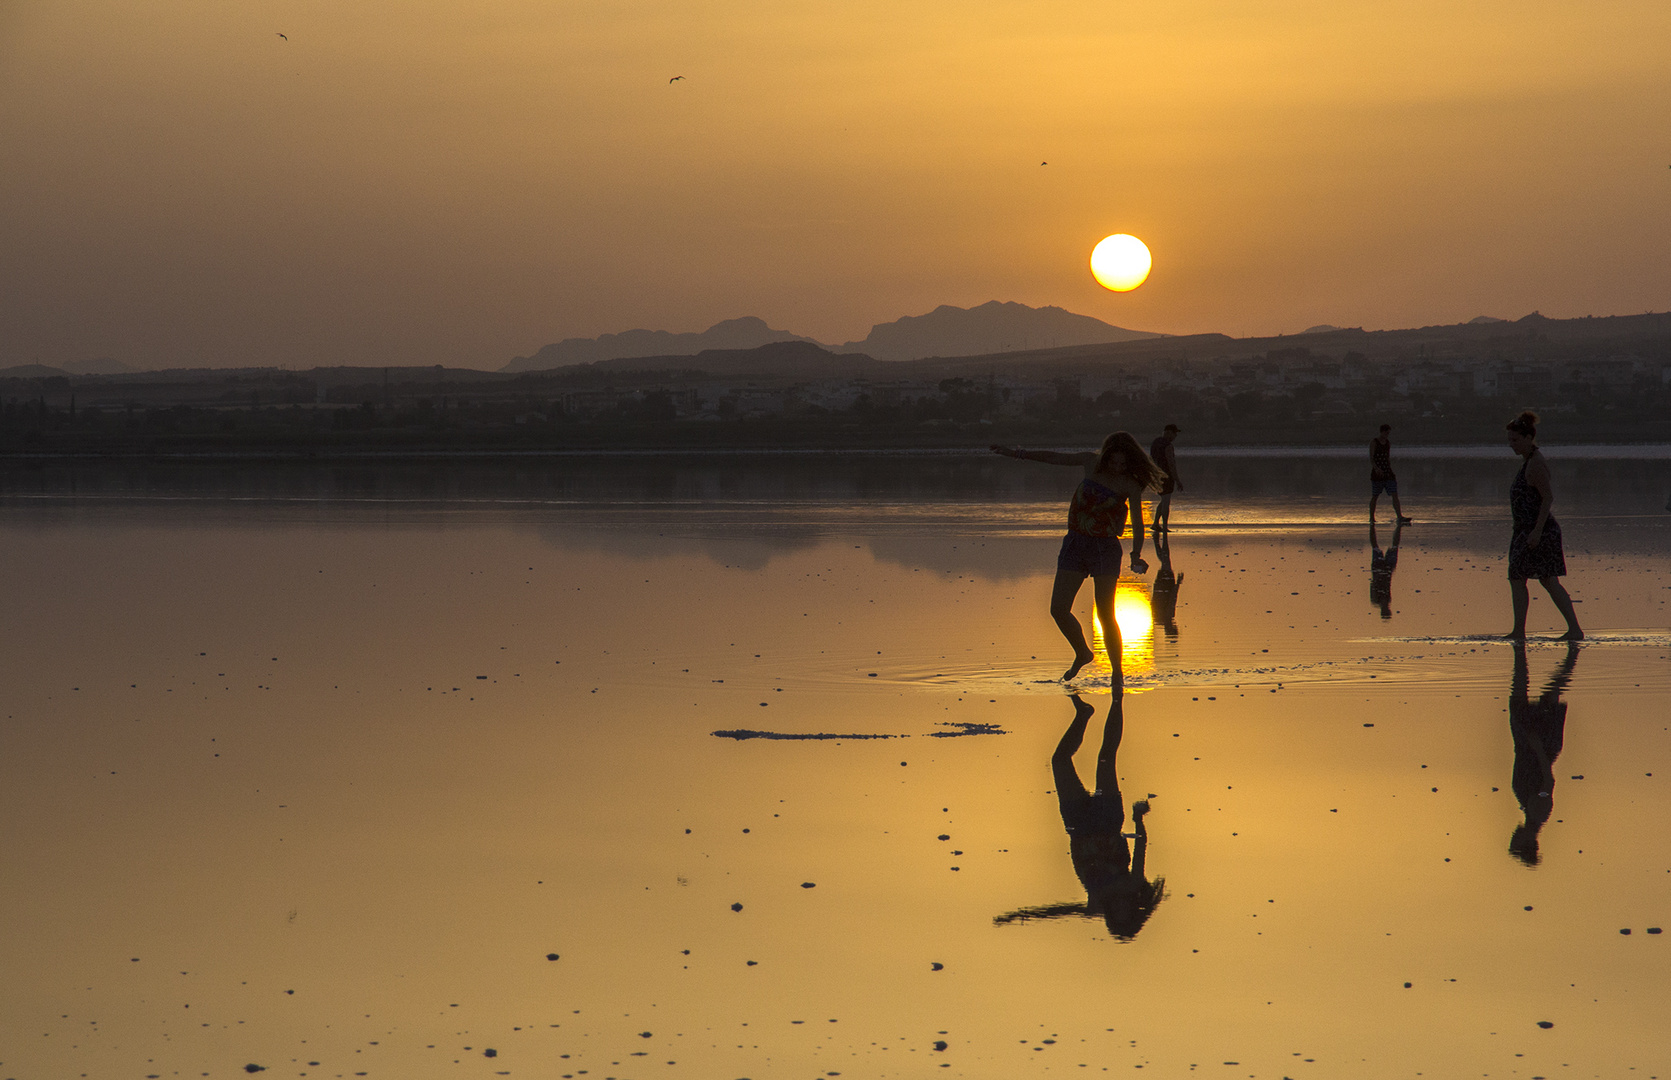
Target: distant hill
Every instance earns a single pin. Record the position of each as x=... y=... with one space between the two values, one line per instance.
x=789 y=359
x=745 y=333
x=1484 y=320
x=993 y=327
x=31 y=371
x=104 y=365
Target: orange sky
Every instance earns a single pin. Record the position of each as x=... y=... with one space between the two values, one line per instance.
x=462 y=182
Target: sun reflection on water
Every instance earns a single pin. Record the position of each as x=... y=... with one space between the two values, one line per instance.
x=1135 y=617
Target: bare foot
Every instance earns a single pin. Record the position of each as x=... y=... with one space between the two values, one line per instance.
x=1078 y=662
x=1082 y=709
x=1575 y=634
x=1404 y=520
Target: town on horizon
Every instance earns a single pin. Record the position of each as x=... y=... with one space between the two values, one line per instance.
x=1596 y=379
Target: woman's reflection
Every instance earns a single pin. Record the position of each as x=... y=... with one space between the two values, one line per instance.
x=1538 y=728
x=1112 y=873
x=1163 y=600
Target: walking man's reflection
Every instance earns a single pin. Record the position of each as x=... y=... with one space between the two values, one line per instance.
x=1115 y=889
x=1163 y=599
x=1538 y=728
x=1381 y=567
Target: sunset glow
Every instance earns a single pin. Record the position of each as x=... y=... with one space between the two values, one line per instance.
x=1121 y=262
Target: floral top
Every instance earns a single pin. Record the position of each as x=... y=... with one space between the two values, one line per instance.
x=1097 y=511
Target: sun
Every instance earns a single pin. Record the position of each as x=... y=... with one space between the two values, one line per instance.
x=1121 y=262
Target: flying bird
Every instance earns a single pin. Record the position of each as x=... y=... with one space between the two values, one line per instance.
x=1044 y=163
x=675 y=78
x=285 y=36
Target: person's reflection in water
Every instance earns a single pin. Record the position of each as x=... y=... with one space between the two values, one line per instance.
x=1538 y=728
x=1112 y=873
x=1381 y=567
x=1163 y=599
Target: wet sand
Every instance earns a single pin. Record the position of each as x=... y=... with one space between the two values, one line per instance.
x=323 y=784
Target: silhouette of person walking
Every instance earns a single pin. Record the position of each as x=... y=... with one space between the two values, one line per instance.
x=1381 y=475
x=1381 y=567
x=1535 y=544
x=1115 y=479
x=1538 y=729
x=1116 y=888
x=1163 y=455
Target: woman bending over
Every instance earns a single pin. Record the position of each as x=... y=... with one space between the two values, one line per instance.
x=1115 y=479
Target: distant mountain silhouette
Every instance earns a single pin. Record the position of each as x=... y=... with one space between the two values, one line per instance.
x=1320 y=328
x=31 y=371
x=794 y=359
x=1484 y=320
x=745 y=333
x=104 y=365
x=993 y=327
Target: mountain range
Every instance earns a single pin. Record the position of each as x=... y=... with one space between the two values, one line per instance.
x=993 y=327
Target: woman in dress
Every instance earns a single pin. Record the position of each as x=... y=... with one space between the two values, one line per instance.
x=1535 y=545
x=1115 y=479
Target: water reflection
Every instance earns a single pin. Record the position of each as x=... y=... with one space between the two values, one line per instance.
x=1116 y=889
x=1134 y=615
x=1381 y=567
x=1163 y=602
x=1538 y=729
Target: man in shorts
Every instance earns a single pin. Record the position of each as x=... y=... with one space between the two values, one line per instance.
x=1381 y=476
x=1162 y=454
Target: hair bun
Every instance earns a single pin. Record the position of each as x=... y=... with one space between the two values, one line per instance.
x=1525 y=424
x=1529 y=417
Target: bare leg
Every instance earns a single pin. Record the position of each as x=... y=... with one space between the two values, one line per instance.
x=1373 y=499
x=1398 y=510
x=1563 y=603
x=1163 y=512
x=1103 y=589
x=1061 y=609
x=1522 y=600
x=1113 y=727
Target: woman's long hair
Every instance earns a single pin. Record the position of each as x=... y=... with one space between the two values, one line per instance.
x=1139 y=466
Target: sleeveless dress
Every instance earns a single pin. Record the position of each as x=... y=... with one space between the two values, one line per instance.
x=1545 y=560
x=1096 y=518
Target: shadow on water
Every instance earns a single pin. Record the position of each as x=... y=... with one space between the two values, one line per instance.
x=1381 y=567
x=1538 y=729
x=1116 y=888
x=1163 y=596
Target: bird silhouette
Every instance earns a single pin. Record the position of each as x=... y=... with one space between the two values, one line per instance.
x=286 y=37
x=675 y=78
x=1044 y=163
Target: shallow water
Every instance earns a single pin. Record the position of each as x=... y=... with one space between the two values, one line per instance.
x=313 y=768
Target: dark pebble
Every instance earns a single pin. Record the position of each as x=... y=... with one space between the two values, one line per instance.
x=736 y=907
x=751 y=963
x=809 y=885
x=551 y=956
x=644 y=1034
x=490 y=1052
x=944 y=836
x=939 y=1044
x=1545 y=1024
x=1625 y=931
x=936 y=966
x=1406 y=986
x=1654 y=930
x=252 y=1067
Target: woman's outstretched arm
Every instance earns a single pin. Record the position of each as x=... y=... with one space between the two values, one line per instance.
x=1049 y=457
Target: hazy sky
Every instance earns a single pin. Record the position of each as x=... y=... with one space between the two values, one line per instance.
x=463 y=181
